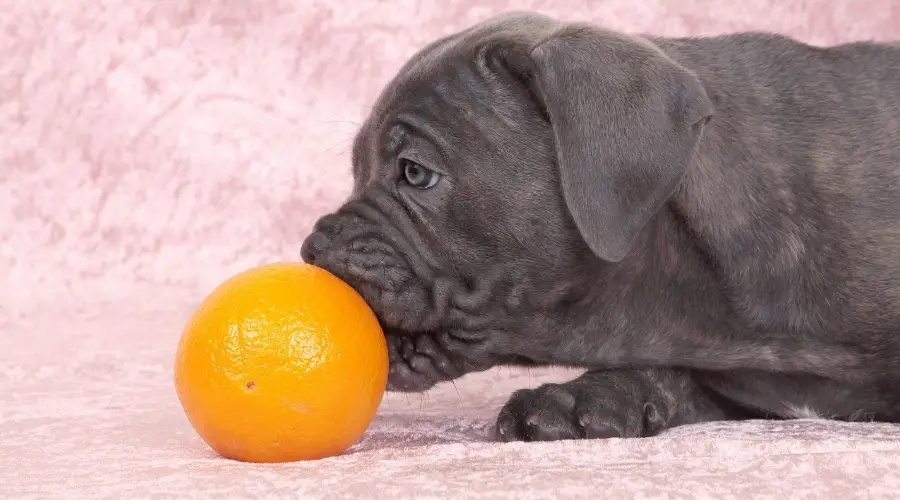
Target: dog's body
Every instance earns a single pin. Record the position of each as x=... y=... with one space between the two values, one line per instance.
x=710 y=226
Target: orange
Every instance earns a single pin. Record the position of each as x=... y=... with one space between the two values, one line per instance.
x=280 y=363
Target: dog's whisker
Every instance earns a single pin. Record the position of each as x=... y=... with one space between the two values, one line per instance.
x=344 y=118
x=333 y=122
x=458 y=396
x=340 y=143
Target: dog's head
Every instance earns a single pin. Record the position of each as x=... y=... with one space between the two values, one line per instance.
x=500 y=168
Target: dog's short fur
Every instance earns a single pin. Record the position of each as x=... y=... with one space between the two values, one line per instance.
x=709 y=226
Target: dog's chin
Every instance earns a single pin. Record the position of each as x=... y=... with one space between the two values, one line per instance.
x=419 y=361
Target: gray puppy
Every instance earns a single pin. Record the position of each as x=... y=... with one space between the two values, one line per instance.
x=709 y=226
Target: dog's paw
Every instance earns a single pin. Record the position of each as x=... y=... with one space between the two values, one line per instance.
x=574 y=411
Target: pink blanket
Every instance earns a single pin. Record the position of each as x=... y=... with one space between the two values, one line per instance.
x=148 y=150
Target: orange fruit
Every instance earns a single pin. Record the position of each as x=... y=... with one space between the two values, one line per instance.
x=280 y=363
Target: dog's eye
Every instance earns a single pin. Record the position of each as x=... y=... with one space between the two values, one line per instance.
x=418 y=176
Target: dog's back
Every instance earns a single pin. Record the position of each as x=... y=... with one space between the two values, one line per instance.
x=795 y=195
x=796 y=189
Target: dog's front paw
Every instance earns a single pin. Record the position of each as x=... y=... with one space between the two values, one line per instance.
x=575 y=410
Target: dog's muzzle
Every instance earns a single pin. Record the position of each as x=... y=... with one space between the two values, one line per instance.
x=364 y=253
x=358 y=251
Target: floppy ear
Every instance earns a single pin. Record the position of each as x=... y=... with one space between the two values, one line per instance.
x=627 y=120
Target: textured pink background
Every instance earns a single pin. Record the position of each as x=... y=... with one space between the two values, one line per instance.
x=149 y=149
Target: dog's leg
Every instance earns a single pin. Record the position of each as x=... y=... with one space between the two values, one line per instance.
x=611 y=403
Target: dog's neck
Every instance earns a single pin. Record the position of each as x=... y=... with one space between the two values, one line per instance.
x=615 y=309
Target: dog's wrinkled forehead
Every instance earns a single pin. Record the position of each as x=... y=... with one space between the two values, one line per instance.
x=452 y=81
x=445 y=56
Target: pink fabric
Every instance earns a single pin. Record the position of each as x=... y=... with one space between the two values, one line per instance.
x=148 y=150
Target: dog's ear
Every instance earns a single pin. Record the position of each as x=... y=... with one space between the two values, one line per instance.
x=627 y=120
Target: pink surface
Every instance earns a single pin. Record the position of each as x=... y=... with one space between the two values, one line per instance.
x=148 y=150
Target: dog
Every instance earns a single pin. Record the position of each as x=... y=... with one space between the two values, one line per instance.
x=709 y=227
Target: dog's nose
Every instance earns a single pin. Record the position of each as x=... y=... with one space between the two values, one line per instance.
x=313 y=246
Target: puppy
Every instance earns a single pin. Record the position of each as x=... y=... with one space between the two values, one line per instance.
x=709 y=227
